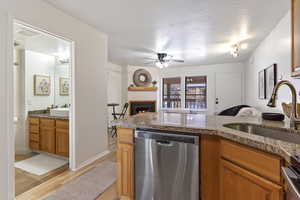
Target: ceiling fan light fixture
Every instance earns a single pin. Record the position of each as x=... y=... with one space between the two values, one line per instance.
x=159 y=65
x=165 y=64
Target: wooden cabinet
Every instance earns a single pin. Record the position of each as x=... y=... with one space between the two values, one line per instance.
x=249 y=174
x=34 y=130
x=210 y=165
x=264 y=164
x=62 y=138
x=229 y=171
x=295 y=38
x=125 y=160
x=237 y=183
x=49 y=135
x=126 y=170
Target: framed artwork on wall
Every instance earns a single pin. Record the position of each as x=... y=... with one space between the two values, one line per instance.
x=271 y=79
x=64 y=86
x=262 y=84
x=42 y=85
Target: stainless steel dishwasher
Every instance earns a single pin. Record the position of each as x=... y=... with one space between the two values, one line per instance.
x=166 y=166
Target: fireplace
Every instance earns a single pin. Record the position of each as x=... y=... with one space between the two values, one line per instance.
x=137 y=107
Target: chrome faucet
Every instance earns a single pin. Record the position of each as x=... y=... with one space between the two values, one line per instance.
x=272 y=103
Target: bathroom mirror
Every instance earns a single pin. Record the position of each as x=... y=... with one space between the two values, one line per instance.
x=42 y=66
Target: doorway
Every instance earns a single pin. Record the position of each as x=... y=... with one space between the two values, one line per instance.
x=42 y=105
x=229 y=88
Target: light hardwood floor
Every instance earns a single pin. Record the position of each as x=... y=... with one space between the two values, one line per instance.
x=25 y=181
x=47 y=188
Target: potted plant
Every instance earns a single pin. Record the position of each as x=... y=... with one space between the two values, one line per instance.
x=154 y=83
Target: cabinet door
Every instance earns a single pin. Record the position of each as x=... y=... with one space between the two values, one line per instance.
x=62 y=142
x=47 y=139
x=125 y=159
x=237 y=183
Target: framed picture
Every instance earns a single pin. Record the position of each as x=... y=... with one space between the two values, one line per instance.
x=64 y=85
x=42 y=85
x=262 y=85
x=271 y=79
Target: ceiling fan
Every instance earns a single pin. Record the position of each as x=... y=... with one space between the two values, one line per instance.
x=163 y=60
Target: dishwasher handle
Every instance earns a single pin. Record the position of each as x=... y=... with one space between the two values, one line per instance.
x=164 y=143
x=291 y=176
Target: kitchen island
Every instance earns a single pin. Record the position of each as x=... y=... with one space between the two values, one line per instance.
x=252 y=161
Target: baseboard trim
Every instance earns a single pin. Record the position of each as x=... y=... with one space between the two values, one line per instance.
x=91 y=160
x=22 y=151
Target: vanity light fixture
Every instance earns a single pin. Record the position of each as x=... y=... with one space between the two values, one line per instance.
x=234 y=50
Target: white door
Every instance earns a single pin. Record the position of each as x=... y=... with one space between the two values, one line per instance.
x=228 y=90
x=114 y=91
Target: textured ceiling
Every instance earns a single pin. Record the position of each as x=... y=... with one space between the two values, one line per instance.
x=198 y=31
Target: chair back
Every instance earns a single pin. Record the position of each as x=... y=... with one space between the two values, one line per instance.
x=124 y=110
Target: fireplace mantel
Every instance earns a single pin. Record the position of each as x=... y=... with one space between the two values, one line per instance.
x=142 y=89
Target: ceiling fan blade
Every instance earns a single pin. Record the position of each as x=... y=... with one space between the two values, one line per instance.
x=154 y=59
x=149 y=63
x=177 y=60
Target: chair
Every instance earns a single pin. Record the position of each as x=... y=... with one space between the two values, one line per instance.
x=119 y=116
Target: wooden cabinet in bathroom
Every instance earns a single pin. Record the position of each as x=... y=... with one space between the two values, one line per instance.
x=62 y=138
x=49 y=135
x=34 y=133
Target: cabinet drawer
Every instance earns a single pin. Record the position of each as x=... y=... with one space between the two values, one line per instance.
x=125 y=135
x=34 y=137
x=34 y=128
x=264 y=164
x=47 y=122
x=33 y=120
x=34 y=145
x=62 y=124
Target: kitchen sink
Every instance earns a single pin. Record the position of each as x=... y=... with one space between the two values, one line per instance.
x=270 y=132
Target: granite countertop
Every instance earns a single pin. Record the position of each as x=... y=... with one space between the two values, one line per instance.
x=46 y=115
x=199 y=124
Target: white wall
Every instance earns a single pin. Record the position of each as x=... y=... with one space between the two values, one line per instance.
x=205 y=70
x=276 y=48
x=114 y=87
x=89 y=79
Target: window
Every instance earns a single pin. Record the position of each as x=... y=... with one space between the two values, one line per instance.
x=171 y=93
x=195 y=92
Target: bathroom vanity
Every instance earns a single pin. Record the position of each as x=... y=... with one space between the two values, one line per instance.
x=49 y=134
x=234 y=165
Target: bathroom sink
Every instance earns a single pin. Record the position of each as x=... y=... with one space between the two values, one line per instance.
x=274 y=133
x=59 y=112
